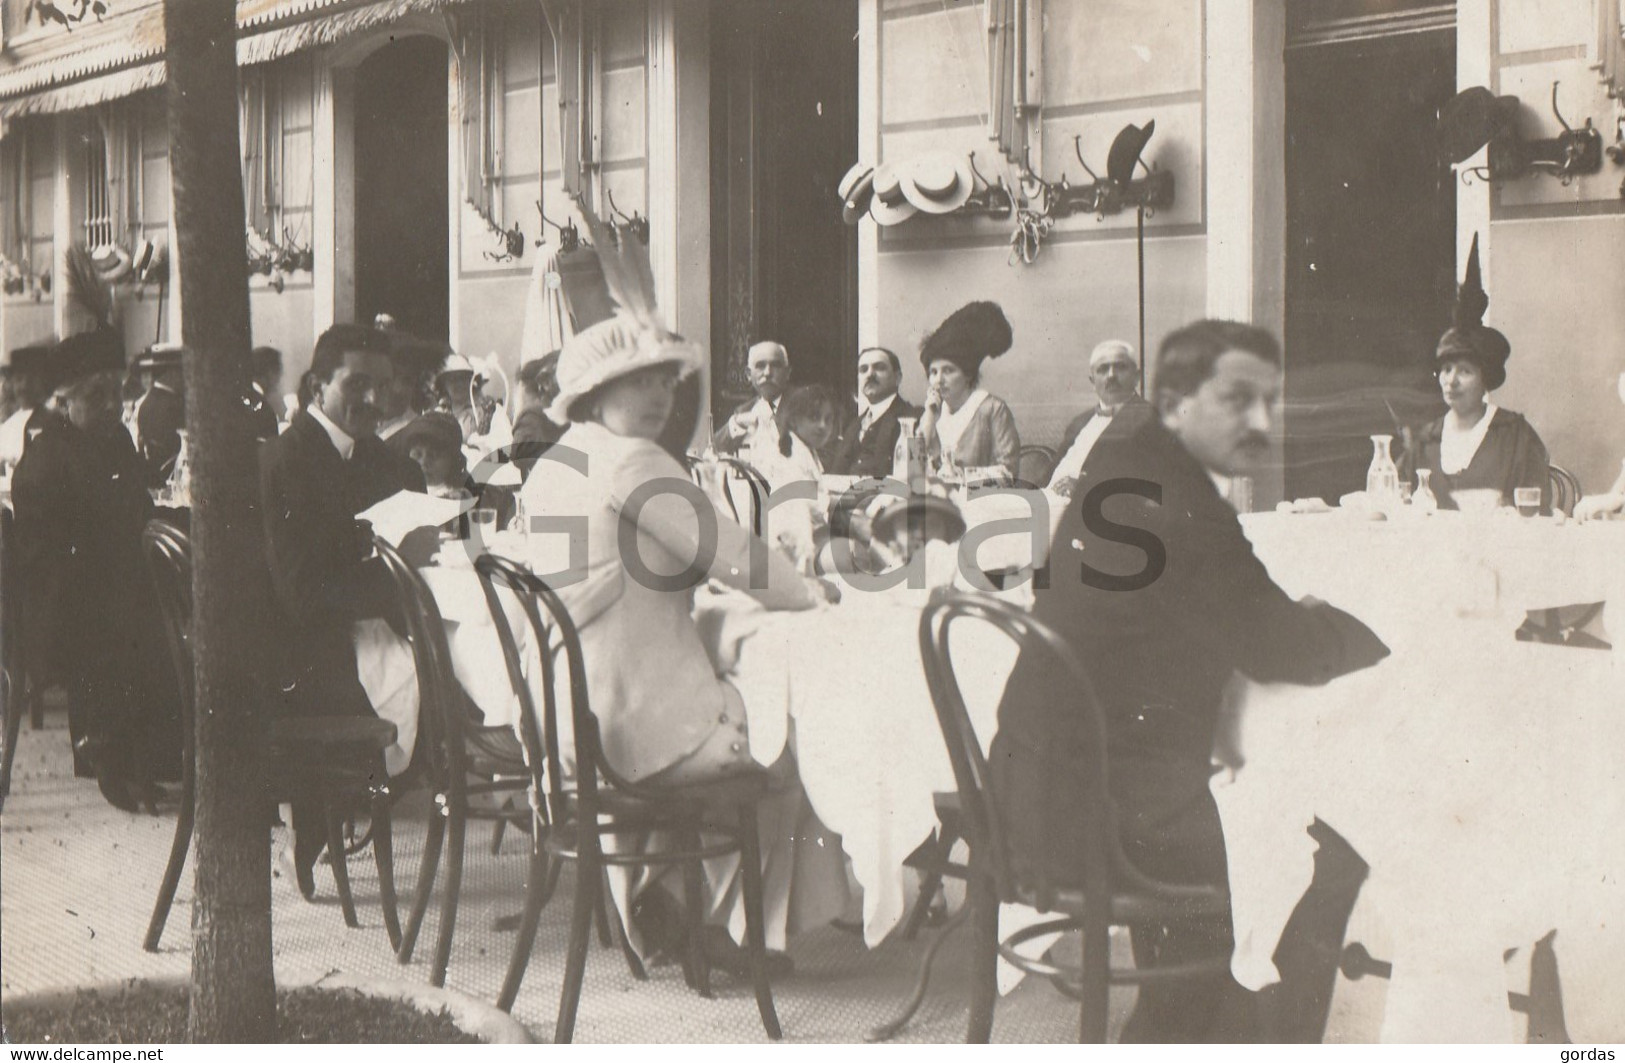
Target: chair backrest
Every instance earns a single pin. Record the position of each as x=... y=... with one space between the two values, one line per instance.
x=168 y=552
x=538 y=730
x=757 y=484
x=1564 y=489
x=1035 y=464
x=443 y=721
x=557 y=632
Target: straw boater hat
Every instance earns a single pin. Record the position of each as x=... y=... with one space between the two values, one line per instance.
x=937 y=183
x=856 y=189
x=889 y=206
x=635 y=338
x=158 y=357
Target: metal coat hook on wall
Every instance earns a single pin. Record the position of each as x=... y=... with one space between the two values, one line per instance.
x=512 y=243
x=569 y=235
x=987 y=199
x=637 y=224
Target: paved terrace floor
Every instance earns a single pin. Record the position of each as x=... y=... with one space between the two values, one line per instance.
x=78 y=877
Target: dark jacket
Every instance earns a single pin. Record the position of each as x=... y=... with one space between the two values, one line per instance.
x=159 y=421
x=1076 y=425
x=262 y=418
x=1511 y=456
x=869 y=453
x=89 y=616
x=321 y=577
x=1159 y=654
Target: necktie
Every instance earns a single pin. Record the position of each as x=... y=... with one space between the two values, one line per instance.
x=866 y=420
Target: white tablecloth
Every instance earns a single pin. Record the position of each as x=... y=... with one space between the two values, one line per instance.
x=1477 y=775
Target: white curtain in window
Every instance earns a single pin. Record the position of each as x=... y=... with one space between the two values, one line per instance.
x=260 y=130
x=121 y=133
x=478 y=54
x=1609 y=55
x=15 y=185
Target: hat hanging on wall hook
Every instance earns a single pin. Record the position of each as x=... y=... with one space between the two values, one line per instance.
x=987 y=199
x=1475 y=118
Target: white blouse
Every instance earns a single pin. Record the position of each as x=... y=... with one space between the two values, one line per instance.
x=950 y=426
x=1458 y=445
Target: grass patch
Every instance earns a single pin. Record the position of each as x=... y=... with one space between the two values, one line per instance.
x=143 y=1013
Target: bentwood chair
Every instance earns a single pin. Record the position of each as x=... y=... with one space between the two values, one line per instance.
x=1563 y=490
x=1112 y=891
x=464 y=760
x=1035 y=464
x=337 y=760
x=575 y=814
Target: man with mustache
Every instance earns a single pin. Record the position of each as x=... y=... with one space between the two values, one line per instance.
x=314 y=478
x=1153 y=583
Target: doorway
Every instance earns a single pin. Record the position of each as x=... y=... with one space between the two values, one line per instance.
x=784 y=128
x=401 y=230
x=1370 y=258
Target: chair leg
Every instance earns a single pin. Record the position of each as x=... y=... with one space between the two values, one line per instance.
x=892 y=1027
x=498 y=827
x=750 y=858
x=1095 y=997
x=425 y=887
x=932 y=883
x=588 y=877
x=696 y=967
x=172 y=872
x=383 y=854
x=335 y=856
x=13 y=705
x=456 y=829
x=34 y=698
x=634 y=963
x=539 y=881
x=984 y=923
x=600 y=918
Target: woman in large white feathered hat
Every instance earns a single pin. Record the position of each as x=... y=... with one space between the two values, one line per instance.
x=670 y=703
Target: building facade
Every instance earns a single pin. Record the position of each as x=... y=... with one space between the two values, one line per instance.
x=400 y=157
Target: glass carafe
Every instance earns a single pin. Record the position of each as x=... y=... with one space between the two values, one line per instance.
x=1382 y=478
x=1424 y=501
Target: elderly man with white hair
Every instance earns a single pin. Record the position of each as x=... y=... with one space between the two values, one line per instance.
x=754 y=423
x=1114 y=370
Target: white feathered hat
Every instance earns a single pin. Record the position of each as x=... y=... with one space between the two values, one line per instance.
x=635 y=338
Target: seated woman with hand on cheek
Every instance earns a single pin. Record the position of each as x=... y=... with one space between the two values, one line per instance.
x=962 y=422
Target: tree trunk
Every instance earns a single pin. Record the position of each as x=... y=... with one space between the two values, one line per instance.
x=233 y=996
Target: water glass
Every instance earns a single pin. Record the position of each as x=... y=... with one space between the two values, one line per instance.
x=1527 y=499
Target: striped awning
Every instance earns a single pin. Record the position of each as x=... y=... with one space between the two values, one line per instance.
x=267 y=30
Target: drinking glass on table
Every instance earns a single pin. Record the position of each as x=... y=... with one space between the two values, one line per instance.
x=1527 y=499
x=484 y=521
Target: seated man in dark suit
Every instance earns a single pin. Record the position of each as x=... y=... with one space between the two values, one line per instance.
x=1155 y=585
x=869 y=434
x=314 y=478
x=262 y=400
x=160 y=414
x=1114 y=370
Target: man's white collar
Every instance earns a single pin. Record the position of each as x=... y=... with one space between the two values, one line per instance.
x=342 y=441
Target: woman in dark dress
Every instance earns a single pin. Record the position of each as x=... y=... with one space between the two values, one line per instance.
x=81 y=502
x=1477 y=444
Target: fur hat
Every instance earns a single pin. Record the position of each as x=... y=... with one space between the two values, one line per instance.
x=85 y=354
x=970 y=335
x=1469 y=339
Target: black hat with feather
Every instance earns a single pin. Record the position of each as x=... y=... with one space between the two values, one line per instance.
x=1469 y=339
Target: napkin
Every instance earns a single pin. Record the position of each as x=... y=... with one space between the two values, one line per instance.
x=406 y=511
